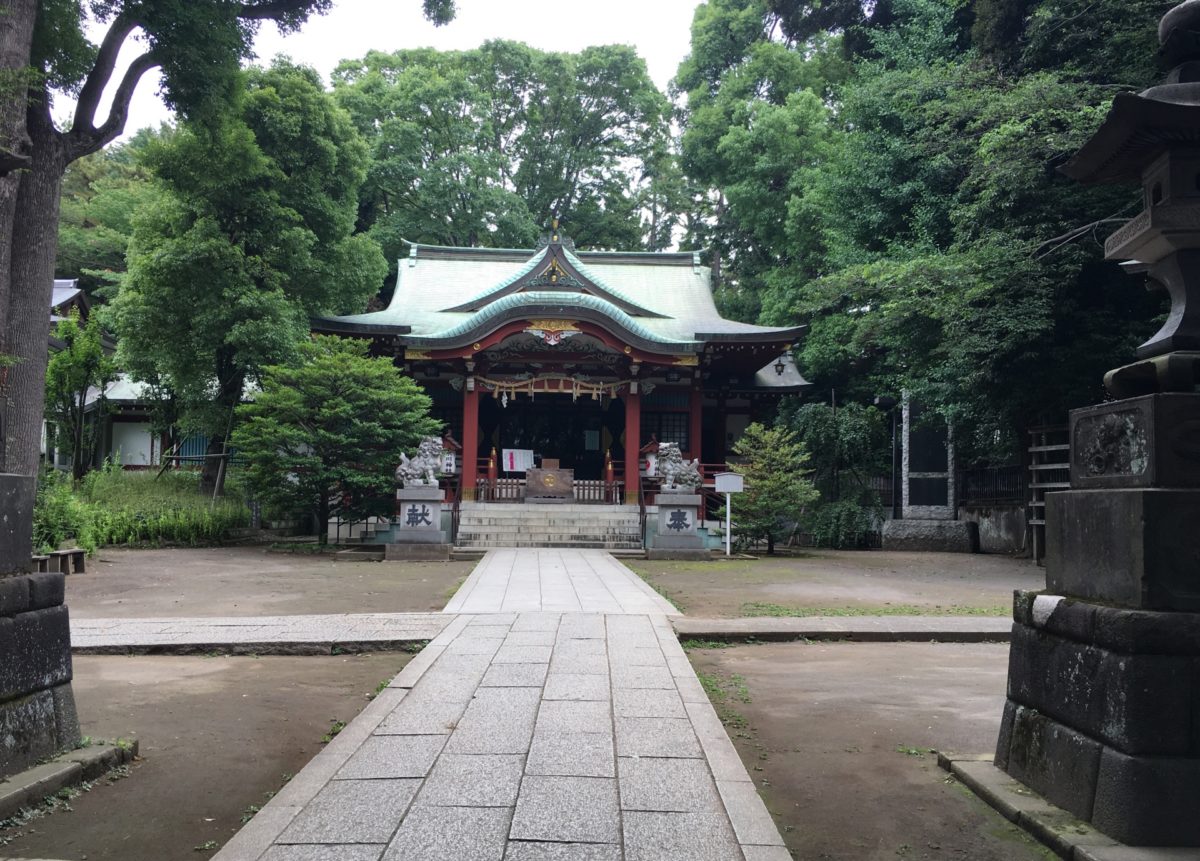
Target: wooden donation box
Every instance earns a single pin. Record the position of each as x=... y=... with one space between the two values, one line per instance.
x=550 y=485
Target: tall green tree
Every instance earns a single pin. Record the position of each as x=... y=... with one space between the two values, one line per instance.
x=78 y=369
x=252 y=235
x=481 y=147
x=323 y=435
x=777 y=487
x=101 y=194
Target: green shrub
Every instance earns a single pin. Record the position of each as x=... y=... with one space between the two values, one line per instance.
x=112 y=506
x=842 y=525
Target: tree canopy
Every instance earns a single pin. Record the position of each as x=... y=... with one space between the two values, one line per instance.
x=251 y=234
x=323 y=434
x=482 y=147
x=891 y=180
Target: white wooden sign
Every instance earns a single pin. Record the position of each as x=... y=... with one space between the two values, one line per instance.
x=730 y=482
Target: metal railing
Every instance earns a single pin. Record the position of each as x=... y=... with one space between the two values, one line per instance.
x=587 y=491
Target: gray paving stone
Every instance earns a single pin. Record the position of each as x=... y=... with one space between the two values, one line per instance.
x=481 y=780
x=567 y=810
x=576 y=686
x=582 y=665
x=581 y=626
x=625 y=677
x=421 y=715
x=690 y=690
x=722 y=756
x=574 y=716
x=522 y=654
x=668 y=785
x=572 y=754
x=451 y=834
x=495 y=632
x=694 y=836
x=470 y=645
x=393 y=756
x=664 y=737
x=648 y=702
x=326 y=852
x=637 y=656
x=515 y=676
x=751 y=821
x=352 y=811
x=499 y=720
x=766 y=853
x=490 y=619
x=581 y=648
x=536 y=622
x=521 y=851
x=530 y=638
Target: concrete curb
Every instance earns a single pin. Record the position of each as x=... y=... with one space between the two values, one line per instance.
x=864 y=629
x=1068 y=837
x=29 y=787
x=298 y=648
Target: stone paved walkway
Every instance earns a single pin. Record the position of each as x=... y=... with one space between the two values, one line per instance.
x=556 y=719
x=571 y=581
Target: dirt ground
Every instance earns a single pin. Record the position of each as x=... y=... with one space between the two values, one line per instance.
x=838 y=738
x=252 y=581
x=844 y=582
x=216 y=735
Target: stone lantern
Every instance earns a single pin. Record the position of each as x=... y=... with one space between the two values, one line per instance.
x=1103 y=710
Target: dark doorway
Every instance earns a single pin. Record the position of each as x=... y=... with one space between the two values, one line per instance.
x=576 y=433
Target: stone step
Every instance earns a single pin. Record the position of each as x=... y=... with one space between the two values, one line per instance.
x=575 y=507
x=547 y=537
x=551 y=525
x=572 y=545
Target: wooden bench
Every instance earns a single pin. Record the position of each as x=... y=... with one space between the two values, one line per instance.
x=67 y=561
x=41 y=563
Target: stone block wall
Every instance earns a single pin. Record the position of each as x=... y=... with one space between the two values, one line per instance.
x=37 y=707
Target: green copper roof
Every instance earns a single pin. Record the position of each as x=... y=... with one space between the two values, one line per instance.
x=520 y=301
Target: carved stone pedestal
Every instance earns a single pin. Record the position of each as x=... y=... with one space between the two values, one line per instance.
x=418 y=534
x=1103 y=711
x=678 y=521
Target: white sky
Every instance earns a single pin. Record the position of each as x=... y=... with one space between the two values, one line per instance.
x=658 y=29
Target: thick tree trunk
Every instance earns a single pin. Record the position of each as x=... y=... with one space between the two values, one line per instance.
x=16 y=36
x=34 y=242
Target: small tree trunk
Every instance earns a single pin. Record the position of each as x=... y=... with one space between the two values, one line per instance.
x=212 y=474
x=323 y=519
x=770 y=544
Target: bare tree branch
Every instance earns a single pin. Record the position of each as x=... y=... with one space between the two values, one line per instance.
x=272 y=9
x=86 y=141
x=10 y=161
x=98 y=78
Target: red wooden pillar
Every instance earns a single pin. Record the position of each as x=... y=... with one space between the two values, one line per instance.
x=470 y=443
x=633 y=437
x=694 y=408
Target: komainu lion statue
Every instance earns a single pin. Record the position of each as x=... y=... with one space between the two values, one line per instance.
x=421 y=470
x=677 y=472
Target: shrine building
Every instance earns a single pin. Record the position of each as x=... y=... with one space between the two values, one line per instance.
x=583 y=357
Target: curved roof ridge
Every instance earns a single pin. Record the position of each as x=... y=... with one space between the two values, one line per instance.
x=500 y=287
x=603 y=285
x=586 y=300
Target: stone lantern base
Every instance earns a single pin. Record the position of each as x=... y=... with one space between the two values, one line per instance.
x=1103 y=710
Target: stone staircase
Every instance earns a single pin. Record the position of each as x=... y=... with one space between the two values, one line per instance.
x=484 y=525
